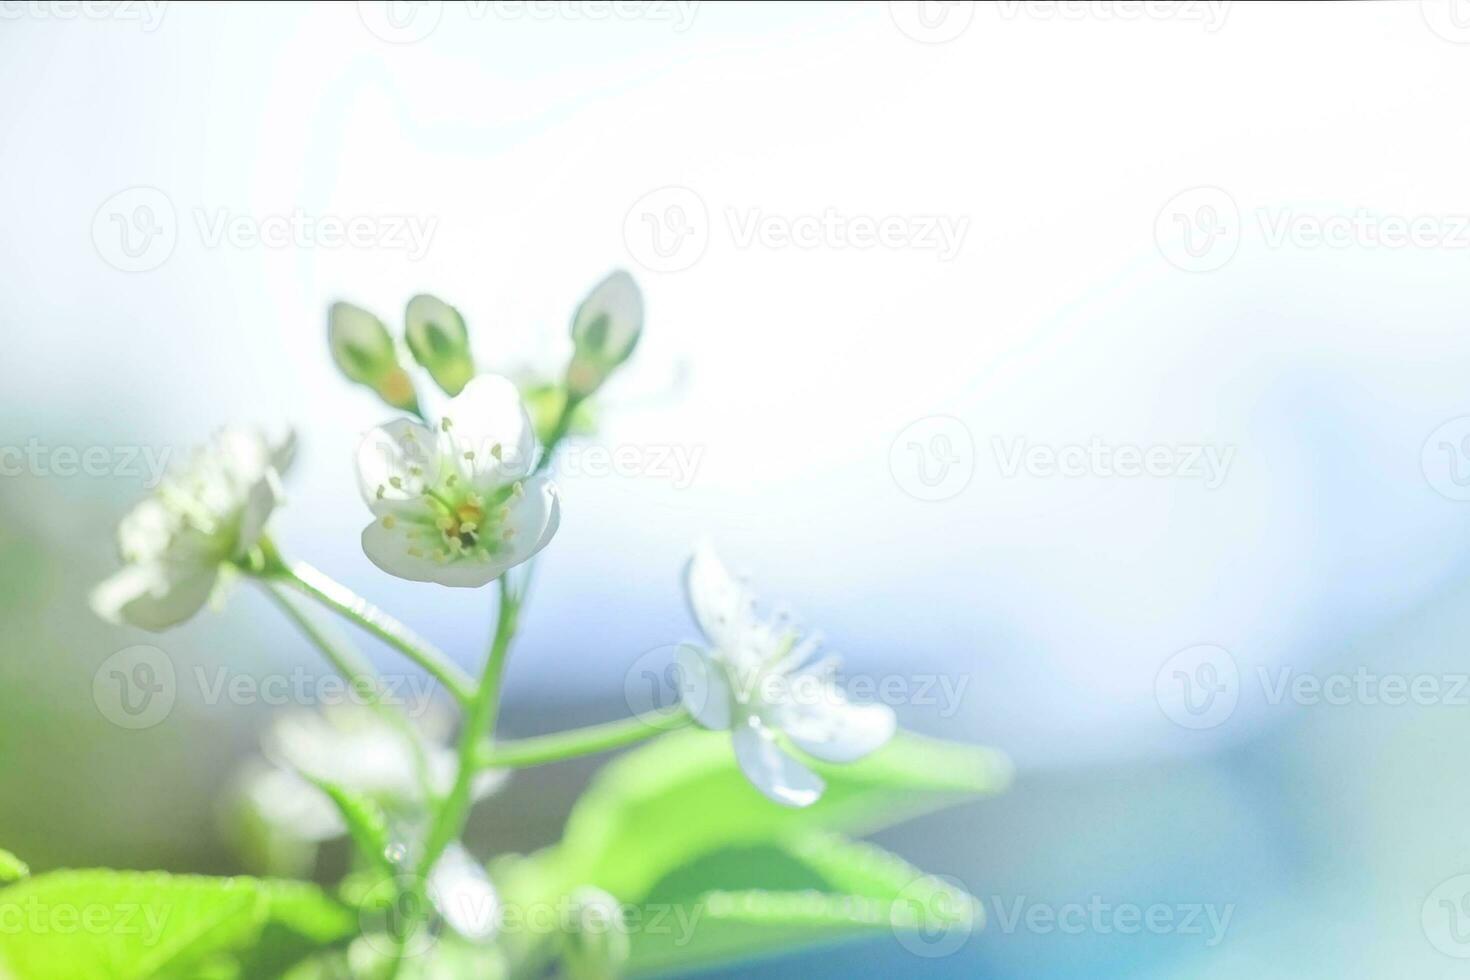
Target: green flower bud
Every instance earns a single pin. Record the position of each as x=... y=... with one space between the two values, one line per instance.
x=604 y=332
x=595 y=945
x=438 y=339
x=364 y=353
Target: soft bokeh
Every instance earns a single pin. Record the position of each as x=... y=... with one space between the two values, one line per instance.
x=535 y=146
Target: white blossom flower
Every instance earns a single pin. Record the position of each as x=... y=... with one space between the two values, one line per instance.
x=756 y=679
x=462 y=505
x=210 y=512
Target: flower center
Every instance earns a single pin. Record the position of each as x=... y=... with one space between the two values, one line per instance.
x=458 y=524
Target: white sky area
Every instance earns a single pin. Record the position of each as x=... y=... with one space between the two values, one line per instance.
x=1053 y=140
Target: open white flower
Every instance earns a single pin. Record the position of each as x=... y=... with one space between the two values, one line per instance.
x=462 y=505
x=757 y=680
x=211 y=511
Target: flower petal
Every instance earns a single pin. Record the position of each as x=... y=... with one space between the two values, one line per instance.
x=145 y=533
x=488 y=433
x=261 y=499
x=391 y=549
x=836 y=731
x=703 y=687
x=155 y=595
x=394 y=462
x=534 y=519
x=720 y=604
x=771 y=770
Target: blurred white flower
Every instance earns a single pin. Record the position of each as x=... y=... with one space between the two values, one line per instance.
x=211 y=511
x=754 y=679
x=463 y=895
x=356 y=749
x=459 y=506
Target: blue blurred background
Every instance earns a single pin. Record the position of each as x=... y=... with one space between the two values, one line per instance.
x=1130 y=194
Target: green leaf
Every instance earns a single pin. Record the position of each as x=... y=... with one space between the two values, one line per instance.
x=681 y=801
x=127 y=925
x=751 y=901
x=12 y=868
x=683 y=796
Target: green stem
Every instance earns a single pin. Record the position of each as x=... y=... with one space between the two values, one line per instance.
x=356 y=671
x=525 y=752
x=479 y=725
x=349 y=605
x=560 y=430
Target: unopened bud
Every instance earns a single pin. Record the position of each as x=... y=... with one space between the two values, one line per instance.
x=438 y=340
x=605 y=330
x=364 y=353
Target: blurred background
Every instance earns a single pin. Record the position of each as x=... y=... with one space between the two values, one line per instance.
x=1094 y=370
